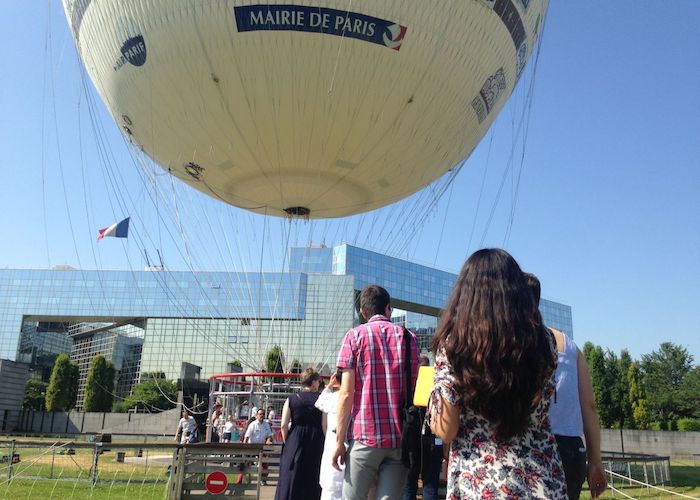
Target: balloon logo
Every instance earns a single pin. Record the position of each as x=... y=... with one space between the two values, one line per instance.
x=134 y=50
x=395 y=36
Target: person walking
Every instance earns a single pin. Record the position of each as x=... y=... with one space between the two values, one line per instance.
x=573 y=413
x=186 y=429
x=494 y=378
x=429 y=465
x=371 y=400
x=330 y=479
x=300 y=462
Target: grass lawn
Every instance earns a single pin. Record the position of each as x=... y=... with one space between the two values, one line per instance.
x=45 y=473
x=685 y=478
x=65 y=490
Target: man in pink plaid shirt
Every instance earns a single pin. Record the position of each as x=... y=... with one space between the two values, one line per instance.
x=372 y=393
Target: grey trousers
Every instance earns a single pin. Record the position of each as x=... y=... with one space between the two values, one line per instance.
x=364 y=464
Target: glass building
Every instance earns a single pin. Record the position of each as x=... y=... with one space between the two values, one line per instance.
x=153 y=321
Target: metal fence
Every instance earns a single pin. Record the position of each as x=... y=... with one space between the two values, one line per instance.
x=79 y=469
x=630 y=467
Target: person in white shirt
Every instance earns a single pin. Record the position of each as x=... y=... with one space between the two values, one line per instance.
x=331 y=480
x=259 y=431
x=186 y=428
x=228 y=429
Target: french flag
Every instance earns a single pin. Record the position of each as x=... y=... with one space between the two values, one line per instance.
x=116 y=230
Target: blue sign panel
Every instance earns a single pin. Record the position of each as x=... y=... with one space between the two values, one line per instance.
x=320 y=20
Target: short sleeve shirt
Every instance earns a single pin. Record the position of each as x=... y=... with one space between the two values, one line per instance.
x=258 y=432
x=187 y=425
x=376 y=352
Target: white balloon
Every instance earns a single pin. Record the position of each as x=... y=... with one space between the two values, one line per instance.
x=306 y=108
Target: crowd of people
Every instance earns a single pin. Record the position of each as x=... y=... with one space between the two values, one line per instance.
x=511 y=401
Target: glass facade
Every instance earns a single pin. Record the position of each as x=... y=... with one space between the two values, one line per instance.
x=557 y=316
x=121 y=344
x=153 y=321
x=412 y=286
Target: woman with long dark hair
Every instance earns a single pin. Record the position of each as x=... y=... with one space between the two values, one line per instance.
x=494 y=363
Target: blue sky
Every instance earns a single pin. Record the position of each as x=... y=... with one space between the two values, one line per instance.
x=606 y=212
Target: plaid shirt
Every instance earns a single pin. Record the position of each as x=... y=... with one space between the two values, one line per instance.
x=375 y=351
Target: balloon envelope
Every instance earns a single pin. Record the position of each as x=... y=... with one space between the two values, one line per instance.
x=305 y=108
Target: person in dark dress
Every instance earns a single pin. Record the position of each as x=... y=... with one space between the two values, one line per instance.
x=303 y=443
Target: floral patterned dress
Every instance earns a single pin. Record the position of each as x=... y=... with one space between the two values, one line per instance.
x=481 y=466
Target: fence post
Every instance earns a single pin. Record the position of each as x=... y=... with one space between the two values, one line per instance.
x=176 y=474
x=629 y=473
x=646 y=476
x=95 y=460
x=53 y=457
x=12 y=456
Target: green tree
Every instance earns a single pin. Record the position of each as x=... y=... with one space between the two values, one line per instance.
x=637 y=398
x=273 y=360
x=63 y=385
x=34 y=394
x=296 y=367
x=613 y=391
x=664 y=371
x=237 y=362
x=689 y=394
x=626 y=420
x=595 y=358
x=74 y=381
x=99 y=385
x=151 y=395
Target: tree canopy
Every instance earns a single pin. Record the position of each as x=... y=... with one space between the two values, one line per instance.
x=62 y=391
x=34 y=394
x=657 y=391
x=664 y=373
x=99 y=385
x=151 y=395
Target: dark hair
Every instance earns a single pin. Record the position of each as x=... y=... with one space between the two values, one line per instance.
x=309 y=377
x=501 y=355
x=373 y=300
x=534 y=284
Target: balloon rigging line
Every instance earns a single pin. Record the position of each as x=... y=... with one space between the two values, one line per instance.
x=85 y=195
x=529 y=98
x=444 y=221
x=260 y=275
x=163 y=283
x=62 y=173
x=481 y=193
x=508 y=167
x=47 y=62
x=179 y=223
x=337 y=56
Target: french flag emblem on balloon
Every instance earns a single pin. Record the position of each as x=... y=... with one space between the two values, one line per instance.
x=393 y=37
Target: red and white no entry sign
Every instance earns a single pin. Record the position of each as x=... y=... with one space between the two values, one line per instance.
x=216 y=482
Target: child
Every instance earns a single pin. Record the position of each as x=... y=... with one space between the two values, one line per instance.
x=228 y=429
